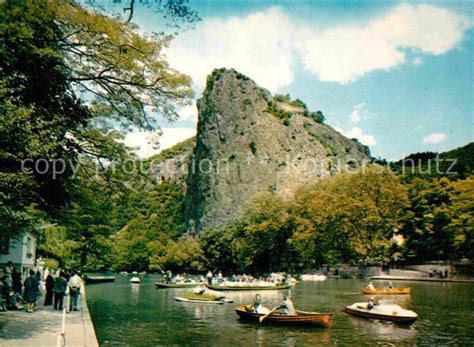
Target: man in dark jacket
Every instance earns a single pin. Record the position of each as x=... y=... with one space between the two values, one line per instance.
x=49 y=284
x=16 y=281
x=60 y=286
x=31 y=291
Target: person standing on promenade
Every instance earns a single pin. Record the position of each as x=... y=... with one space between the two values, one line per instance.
x=74 y=284
x=31 y=291
x=60 y=286
x=49 y=284
x=16 y=282
x=8 y=268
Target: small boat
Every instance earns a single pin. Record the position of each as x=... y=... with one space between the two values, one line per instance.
x=307 y=319
x=387 y=291
x=202 y=296
x=257 y=288
x=182 y=299
x=135 y=280
x=387 y=312
x=176 y=285
x=316 y=278
x=98 y=279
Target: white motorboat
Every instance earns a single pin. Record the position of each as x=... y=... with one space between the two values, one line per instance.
x=387 y=311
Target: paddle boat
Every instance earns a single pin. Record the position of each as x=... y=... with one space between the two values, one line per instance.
x=384 y=291
x=384 y=311
x=202 y=295
x=135 y=280
x=302 y=318
x=248 y=286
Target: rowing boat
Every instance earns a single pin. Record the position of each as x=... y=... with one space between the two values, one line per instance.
x=387 y=291
x=257 y=288
x=306 y=319
x=99 y=279
x=181 y=299
x=176 y=285
x=388 y=312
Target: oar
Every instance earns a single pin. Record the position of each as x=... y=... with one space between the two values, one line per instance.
x=261 y=319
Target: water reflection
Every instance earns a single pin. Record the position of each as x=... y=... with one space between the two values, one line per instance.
x=135 y=296
x=142 y=315
x=383 y=331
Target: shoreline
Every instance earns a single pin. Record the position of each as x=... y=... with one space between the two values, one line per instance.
x=401 y=278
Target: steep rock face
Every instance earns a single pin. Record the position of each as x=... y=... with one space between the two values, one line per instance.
x=249 y=143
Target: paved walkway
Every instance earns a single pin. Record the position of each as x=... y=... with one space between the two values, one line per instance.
x=43 y=327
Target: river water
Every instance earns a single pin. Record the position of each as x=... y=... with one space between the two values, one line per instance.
x=140 y=315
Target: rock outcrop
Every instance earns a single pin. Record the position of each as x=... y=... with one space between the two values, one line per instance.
x=249 y=142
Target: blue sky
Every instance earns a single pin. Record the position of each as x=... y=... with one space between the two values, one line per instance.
x=398 y=76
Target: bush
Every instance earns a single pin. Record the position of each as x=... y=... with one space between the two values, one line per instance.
x=253 y=147
x=317 y=116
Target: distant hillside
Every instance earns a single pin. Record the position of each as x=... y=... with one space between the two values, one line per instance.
x=457 y=163
x=172 y=163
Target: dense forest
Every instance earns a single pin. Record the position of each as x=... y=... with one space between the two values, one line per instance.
x=371 y=217
x=73 y=81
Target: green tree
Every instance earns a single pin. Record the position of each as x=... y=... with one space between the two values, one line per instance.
x=67 y=75
x=349 y=218
x=439 y=222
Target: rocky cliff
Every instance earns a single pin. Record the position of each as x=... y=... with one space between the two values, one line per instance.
x=249 y=142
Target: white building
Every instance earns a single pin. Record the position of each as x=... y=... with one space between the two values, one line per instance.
x=20 y=249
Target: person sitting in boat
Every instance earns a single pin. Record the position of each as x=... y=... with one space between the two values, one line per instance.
x=390 y=285
x=258 y=307
x=370 y=304
x=370 y=286
x=209 y=277
x=220 y=278
x=288 y=306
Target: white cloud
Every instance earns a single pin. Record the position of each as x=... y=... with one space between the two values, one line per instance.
x=423 y=27
x=358 y=134
x=435 y=138
x=266 y=45
x=188 y=112
x=258 y=45
x=145 y=144
x=358 y=113
x=344 y=54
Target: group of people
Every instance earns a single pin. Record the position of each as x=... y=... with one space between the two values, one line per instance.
x=56 y=287
x=272 y=279
x=372 y=287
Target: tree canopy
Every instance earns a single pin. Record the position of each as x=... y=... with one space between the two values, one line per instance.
x=69 y=77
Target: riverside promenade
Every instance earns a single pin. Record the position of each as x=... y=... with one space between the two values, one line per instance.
x=44 y=326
